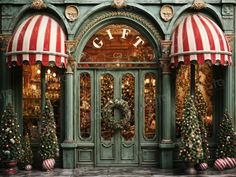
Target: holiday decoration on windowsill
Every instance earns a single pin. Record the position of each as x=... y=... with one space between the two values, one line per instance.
x=49 y=148
x=10 y=144
x=108 y=118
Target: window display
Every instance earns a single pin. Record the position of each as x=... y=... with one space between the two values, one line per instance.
x=32 y=97
x=203 y=83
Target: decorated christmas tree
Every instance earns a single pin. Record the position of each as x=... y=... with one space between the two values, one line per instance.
x=191 y=142
x=10 y=144
x=201 y=107
x=48 y=139
x=226 y=138
x=27 y=156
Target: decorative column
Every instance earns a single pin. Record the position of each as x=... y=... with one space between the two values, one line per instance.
x=6 y=92
x=69 y=145
x=229 y=101
x=166 y=145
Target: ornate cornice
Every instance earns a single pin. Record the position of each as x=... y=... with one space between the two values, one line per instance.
x=38 y=4
x=148 y=25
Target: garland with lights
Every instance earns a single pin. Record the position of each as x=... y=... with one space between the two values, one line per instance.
x=108 y=118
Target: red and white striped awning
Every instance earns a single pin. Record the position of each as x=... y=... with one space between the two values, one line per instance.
x=198 y=38
x=38 y=39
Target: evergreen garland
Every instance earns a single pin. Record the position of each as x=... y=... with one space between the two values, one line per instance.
x=10 y=138
x=191 y=142
x=226 y=138
x=48 y=139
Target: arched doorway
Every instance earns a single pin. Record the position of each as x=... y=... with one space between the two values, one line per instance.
x=118 y=64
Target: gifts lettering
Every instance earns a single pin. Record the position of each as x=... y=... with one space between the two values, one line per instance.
x=97 y=43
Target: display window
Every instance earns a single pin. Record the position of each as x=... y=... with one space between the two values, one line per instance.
x=32 y=97
x=204 y=90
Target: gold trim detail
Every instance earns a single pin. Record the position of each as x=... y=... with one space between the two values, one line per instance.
x=38 y=4
x=198 y=4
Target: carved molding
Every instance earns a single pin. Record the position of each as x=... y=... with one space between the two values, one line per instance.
x=38 y=4
x=69 y=46
x=71 y=60
x=71 y=65
x=165 y=46
x=227 y=10
x=165 y=60
x=198 y=4
x=4 y=39
x=72 y=13
x=230 y=39
x=118 y=4
x=148 y=25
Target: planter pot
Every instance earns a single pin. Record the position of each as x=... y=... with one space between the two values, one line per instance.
x=9 y=167
x=190 y=169
x=48 y=164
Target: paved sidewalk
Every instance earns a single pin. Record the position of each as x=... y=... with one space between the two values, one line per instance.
x=122 y=172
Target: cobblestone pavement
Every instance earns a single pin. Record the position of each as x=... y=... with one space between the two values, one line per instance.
x=122 y=172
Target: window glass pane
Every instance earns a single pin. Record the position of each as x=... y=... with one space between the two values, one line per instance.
x=107 y=93
x=31 y=100
x=128 y=93
x=85 y=105
x=150 y=101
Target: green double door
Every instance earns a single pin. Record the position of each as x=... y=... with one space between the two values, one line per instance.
x=117 y=146
x=137 y=144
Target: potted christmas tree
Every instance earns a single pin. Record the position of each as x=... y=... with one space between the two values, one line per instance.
x=10 y=144
x=226 y=149
x=48 y=139
x=191 y=150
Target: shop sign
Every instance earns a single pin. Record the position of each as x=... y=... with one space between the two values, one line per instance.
x=98 y=43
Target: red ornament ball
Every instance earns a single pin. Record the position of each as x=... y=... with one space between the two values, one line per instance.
x=203 y=166
x=229 y=162
x=48 y=164
x=28 y=167
x=220 y=164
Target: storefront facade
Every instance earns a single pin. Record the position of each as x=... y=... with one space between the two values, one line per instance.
x=92 y=57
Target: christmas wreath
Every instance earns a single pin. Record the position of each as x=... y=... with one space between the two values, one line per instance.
x=108 y=118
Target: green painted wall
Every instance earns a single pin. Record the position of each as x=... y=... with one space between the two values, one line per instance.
x=12 y=12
